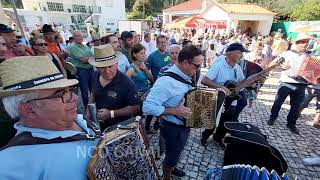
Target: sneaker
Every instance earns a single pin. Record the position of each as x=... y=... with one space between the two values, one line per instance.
x=312 y=161
x=179 y=173
x=270 y=122
x=293 y=129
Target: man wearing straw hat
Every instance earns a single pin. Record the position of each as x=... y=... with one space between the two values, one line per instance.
x=288 y=85
x=50 y=133
x=113 y=92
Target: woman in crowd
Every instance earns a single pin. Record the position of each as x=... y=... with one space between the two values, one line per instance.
x=39 y=47
x=141 y=75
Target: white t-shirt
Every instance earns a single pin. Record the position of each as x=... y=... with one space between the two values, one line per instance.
x=146 y=45
x=295 y=61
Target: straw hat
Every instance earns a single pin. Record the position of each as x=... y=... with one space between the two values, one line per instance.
x=302 y=36
x=104 y=56
x=25 y=74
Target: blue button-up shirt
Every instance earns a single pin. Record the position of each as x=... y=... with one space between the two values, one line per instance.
x=166 y=93
x=48 y=161
x=221 y=71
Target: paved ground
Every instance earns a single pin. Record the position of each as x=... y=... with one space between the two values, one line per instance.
x=196 y=159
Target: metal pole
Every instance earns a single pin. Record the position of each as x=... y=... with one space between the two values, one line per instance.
x=17 y=18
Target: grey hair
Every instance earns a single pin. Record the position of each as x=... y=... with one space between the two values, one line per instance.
x=76 y=31
x=11 y=103
x=172 y=46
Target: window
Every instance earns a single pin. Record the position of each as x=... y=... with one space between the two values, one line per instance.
x=99 y=9
x=55 y=6
x=79 y=8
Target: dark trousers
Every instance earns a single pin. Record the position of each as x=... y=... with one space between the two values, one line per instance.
x=311 y=93
x=84 y=78
x=175 y=138
x=204 y=53
x=241 y=104
x=296 y=98
x=221 y=130
x=148 y=122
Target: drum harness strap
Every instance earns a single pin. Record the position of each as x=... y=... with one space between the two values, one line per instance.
x=26 y=138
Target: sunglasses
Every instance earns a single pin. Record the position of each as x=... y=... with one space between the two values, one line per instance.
x=302 y=42
x=42 y=44
x=195 y=65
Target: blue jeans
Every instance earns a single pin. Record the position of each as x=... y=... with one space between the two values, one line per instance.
x=241 y=104
x=296 y=99
x=84 y=78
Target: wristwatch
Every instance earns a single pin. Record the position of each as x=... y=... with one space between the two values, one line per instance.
x=112 y=114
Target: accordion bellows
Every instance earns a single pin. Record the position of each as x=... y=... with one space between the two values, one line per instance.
x=203 y=104
x=122 y=154
x=310 y=70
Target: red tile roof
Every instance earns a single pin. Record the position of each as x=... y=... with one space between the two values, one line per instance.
x=189 y=5
x=244 y=8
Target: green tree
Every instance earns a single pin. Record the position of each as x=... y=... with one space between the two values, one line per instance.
x=307 y=10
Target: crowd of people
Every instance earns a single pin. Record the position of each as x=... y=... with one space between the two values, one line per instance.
x=125 y=76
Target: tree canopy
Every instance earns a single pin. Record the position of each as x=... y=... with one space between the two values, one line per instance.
x=307 y=10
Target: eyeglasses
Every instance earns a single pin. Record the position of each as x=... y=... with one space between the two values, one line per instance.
x=195 y=65
x=42 y=44
x=65 y=95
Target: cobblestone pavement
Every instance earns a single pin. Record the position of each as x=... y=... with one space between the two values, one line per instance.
x=196 y=159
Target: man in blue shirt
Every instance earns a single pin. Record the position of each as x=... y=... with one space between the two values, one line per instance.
x=225 y=68
x=166 y=99
x=159 y=58
x=41 y=98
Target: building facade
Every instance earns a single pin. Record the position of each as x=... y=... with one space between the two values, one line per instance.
x=245 y=17
x=102 y=13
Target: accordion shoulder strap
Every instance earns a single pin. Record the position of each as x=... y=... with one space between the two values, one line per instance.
x=178 y=78
x=26 y=138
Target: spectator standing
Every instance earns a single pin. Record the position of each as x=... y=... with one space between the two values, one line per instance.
x=3 y=49
x=50 y=38
x=141 y=76
x=10 y=38
x=127 y=43
x=135 y=37
x=146 y=42
x=123 y=64
x=160 y=58
x=279 y=46
x=80 y=55
x=40 y=48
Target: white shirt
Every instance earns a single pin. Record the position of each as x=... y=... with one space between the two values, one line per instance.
x=66 y=35
x=153 y=46
x=146 y=45
x=295 y=61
